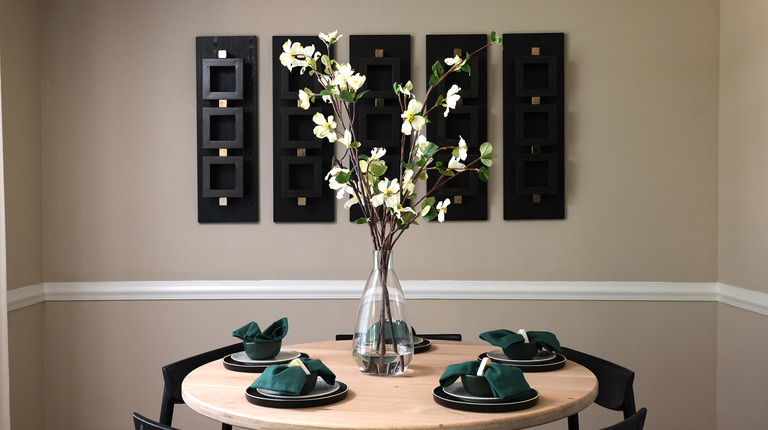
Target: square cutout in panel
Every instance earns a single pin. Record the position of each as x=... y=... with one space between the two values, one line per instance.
x=222 y=128
x=301 y=177
x=222 y=79
x=296 y=128
x=462 y=121
x=536 y=174
x=379 y=126
x=222 y=176
x=380 y=74
x=536 y=125
x=536 y=76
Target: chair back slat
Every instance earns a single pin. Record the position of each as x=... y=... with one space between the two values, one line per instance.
x=633 y=422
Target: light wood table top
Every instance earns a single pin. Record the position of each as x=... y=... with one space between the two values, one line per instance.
x=395 y=402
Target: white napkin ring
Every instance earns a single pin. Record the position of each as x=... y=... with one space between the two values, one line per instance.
x=522 y=333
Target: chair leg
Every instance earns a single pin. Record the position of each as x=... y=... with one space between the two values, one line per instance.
x=225 y=426
x=573 y=422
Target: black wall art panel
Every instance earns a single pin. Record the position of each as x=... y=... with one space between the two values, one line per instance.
x=469 y=195
x=300 y=160
x=384 y=60
x=534 y=138
x=227 y=175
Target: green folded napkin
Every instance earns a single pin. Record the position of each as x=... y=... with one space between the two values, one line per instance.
x=290 y=379
x=505 y=381
x=505 y=338
x=401 y=330
x=252 y=333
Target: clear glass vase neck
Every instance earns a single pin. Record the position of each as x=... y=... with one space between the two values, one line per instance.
x=382 y=259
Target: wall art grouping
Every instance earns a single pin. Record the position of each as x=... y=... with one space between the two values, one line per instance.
x=533 y=120
x=227 y=177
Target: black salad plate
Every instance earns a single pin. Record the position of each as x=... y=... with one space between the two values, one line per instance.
x=260 y=398
x=536 y=366
x=238 y=366
x=524 y=401
x=422 y=346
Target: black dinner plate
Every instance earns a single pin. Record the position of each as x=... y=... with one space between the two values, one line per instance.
x=556 y=363
x=515 y=404
x=422 y=346
x=237 y=366
x=258 y=398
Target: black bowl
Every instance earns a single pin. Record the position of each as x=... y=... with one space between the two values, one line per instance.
x=310 y=384
x=477 y=385
x=262 y=350
x=522 y=351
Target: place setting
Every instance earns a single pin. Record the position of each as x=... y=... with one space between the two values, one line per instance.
x=302 y=383
x=261 y=349
x=484 y=386
x=530 y=351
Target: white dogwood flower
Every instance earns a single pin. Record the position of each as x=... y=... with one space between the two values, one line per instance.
x=389 y=195
x=454 y=163
x=451 y=98
x=324 y=128
x=329 y=38
x=356 y=81
x=462 y=149
x=412 y=118
x=442 y=208
x=304 y=99
x=346 y=140
x=455 y=60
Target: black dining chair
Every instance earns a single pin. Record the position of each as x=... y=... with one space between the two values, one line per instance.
x=614 y=384
x=143 y=423
x=174 y=374
x=635 y=422
x=441 y=336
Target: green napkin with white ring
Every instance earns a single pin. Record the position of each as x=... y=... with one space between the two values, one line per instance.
x=252 y=333
x=506 y=381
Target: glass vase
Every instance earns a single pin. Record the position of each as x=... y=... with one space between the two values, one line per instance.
x=386 y=351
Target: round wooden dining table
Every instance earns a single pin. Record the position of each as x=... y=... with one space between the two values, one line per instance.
x=394 y=402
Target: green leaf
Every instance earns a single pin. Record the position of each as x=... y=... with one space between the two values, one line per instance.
x=429 y=201
x=434 y=80
x=407 y=165
x=409 y=86
x=360 y=95
x=485 y=149
x=432 y=214
x=343 y=177
x=466 y=68
x=412 y=197
x=325 y=60
x=347 y=96
x=437 y=68
x=325 y=93
x=486 y=162
x=484 y=174
x=377 y=169
x=355 y=145
x=449 y=173
x=364 y=157
x=430 y=150
x=438 y=164
x=361 y=220
x=439 y=100
x=455 y=153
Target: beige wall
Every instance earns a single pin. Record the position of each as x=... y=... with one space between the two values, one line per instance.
x=119 y=134
x=743 y=229
x=107 y=355
x=743 y=232
x=20 y=45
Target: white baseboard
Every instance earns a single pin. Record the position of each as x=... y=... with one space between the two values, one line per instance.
x=459 y=290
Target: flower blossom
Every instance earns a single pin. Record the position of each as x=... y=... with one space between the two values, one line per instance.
x=324 y=128
x=346 y=140
x=454 y=163
x=389 y=195
x=356 y=81
x=451 y=98
x=399 y=210
x=408 y=185
x=295 y=55
x=442 y=208
x=336 y=186
x=304 y=99
x=330 y=38
x=462 y=149
x=375 y=159
x=421 y=146
x=412 y=118
x=458 y=61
